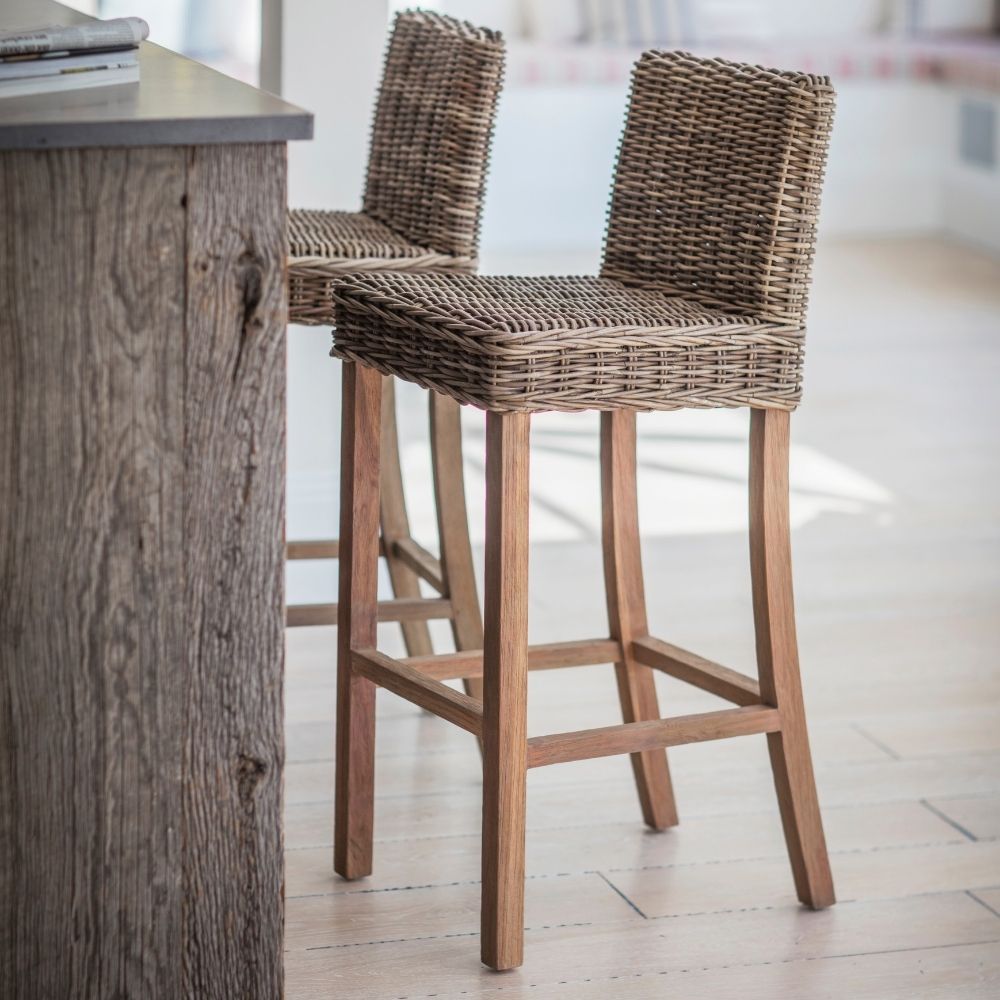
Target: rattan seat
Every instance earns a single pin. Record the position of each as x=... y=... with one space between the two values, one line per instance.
x=324 y=246
x=542 y=343
x=351 y=239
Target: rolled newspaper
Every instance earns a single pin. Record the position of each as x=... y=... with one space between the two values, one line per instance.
x=118 y=32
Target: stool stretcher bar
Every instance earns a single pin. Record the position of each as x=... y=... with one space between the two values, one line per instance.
x=411 y=684
x=319 y=548
x=663 y=656
x=696 y=670
x=400 y=609
x=654 y=734
x=427 y=690
x=544 y=656
x=423 y=563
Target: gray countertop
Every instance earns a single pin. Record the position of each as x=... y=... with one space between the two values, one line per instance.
x=177 y=102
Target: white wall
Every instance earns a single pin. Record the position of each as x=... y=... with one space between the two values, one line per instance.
x=331 y=63
x=331 y=56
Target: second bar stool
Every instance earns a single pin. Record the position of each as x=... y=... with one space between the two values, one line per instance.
x=420 y=213
x=700 y=303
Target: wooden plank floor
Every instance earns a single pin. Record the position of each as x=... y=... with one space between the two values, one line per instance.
x=898 y=596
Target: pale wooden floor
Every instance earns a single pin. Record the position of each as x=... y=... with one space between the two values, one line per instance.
x=898 y=592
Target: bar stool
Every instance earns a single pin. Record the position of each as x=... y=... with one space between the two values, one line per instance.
x=700 y=303
x=423 y=196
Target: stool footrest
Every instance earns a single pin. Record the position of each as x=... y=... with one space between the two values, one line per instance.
x=544 y=656
x=313 y=549
x=320 y=548
x=401 y=609
x=655 y=734
x=696 y=670
x=411 y=684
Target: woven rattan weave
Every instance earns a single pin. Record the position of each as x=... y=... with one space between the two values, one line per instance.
x=702 y=297
x=426 y=168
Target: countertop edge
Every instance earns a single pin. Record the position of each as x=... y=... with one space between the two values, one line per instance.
x=163 y=132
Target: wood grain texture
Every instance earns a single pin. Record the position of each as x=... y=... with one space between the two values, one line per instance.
x=425 y=565
x=638 y=737
x=778 y=657
x=142 y=313
x=457 y=567
x=443 y=701
x=396 y=609
x=626 y=602
x=396 y=525
x=505 y=689
x=544 y=656
x=694 y=669
x=358 y=591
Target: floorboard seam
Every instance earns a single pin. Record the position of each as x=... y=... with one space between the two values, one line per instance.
x=947 y=819
x=622 y=894
x=758 y=811
x=427 y=937
x=884 y=747
x=876 y=849
x=715 y=968
x=982 y=902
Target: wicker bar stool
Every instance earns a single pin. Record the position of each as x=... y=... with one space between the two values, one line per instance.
x=700 y=303
x=423 y=195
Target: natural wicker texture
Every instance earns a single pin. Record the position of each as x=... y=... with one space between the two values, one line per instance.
x=564 y=343
x=703 y=289
x=324 y=246
x=426 y=169
x=717 y=188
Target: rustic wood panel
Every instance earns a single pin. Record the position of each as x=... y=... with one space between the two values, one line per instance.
x=141 y=466
x=234 y=575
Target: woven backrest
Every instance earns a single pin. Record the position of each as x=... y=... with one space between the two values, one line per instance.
x=717 y=187
x=431 y=135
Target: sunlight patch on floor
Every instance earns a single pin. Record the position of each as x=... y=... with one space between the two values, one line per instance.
x=692 y=477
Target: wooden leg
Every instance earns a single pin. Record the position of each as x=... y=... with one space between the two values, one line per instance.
x=777 y=656
x=356 y=627
x=627 y=607
x=457 y=567
x=505 y=669
x=395 y=523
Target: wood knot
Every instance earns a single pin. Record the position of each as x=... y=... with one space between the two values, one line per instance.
x=250 y=771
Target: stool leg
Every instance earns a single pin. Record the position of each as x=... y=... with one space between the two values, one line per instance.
x=505 y=748
x=457 y=567
x=356 y=624
x=395 y=523
x=777 y=656
x=627 y=607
